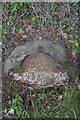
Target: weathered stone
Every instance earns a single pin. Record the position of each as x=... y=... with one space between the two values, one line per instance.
x=41 y=70
x=56 y=50
x=40 y=62
x=43 y=63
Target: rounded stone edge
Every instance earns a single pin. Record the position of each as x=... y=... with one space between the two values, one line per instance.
x=20 y=52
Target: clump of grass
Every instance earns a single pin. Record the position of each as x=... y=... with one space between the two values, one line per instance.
x=47 y=105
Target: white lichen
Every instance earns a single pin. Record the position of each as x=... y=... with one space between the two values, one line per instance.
x=41 y=78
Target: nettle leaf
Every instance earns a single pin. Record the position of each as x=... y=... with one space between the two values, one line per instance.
x=17 y=105
x=14 y=7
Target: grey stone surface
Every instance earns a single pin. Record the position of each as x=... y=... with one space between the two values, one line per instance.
x=56 y=50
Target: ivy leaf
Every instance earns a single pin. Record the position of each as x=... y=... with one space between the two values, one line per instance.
x=1 y=7
x=75 y=43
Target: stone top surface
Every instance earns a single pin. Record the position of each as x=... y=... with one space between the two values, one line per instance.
x=55 y=50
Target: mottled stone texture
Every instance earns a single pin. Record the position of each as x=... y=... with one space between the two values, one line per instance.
x=42 y=62
x=43 y=70
x=55 y=50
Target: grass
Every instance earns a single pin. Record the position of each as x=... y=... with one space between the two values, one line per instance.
x=47 y=105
